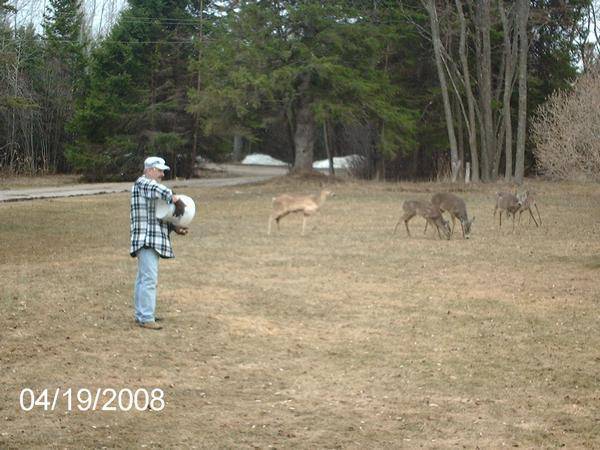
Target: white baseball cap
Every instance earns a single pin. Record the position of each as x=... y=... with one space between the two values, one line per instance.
x=154 y=162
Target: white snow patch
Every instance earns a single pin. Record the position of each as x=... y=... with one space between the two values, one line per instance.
x=339 y=162
x=262 y=160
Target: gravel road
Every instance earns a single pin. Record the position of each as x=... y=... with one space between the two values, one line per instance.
x=238 y=175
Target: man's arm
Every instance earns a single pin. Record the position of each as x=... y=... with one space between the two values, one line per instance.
x=152 y=189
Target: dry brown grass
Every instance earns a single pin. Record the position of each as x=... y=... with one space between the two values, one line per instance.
x=24 y=182
x=350 y=337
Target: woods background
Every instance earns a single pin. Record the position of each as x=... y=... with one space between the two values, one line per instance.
x=419 y=88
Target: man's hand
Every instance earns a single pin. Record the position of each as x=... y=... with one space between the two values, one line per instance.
x=181 y=230
x=179 y=207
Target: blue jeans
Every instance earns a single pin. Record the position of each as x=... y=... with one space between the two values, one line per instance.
x=144 y=296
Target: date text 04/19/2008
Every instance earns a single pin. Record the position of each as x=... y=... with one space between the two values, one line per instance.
x=98 y=399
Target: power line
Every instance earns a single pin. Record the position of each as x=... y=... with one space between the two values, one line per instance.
x=124 y=42
x=160 y=19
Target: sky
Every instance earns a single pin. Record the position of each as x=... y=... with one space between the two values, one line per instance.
x=100 y=15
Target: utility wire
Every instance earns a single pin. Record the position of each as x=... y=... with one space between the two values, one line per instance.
x=160 y=19
x=125 y=42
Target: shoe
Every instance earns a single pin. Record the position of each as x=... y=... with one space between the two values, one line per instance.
x=156 y=319
x=150 y=325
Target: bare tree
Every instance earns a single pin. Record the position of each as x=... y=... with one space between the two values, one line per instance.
x=523 y=16
x=466 y=74
x=509 y=56
x=587 y=37
x=489 y=111
x=197 y=128
x=485 y=88
x=430 y=6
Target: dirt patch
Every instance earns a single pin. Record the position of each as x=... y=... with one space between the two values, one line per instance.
x=349 y=337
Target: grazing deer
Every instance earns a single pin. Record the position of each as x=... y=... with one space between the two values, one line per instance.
x=308 y=205
x=456 y=207
x=527 y=200
x=429 y=212
x=508 y=202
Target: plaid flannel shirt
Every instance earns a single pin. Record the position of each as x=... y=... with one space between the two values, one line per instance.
x=146 y=229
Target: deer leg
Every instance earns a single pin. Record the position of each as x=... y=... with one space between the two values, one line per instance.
x=277 y=217
x=500 y=219
x=272 y=217
x=462 y=227
x=438 y=230
x=397 y=223
x=426 y=223
x=538 y=213
x=303 y=225
x=406 y=217
x=406 y=225
x=452 y=232
x=533 y=217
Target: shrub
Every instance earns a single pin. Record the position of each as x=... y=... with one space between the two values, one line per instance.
x=566 y=131
x=116 y=160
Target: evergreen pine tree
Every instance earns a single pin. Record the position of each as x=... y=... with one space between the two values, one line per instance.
x=302 y=63
x=63 y=81
x=138 y=93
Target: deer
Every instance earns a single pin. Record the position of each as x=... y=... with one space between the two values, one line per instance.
x=456 y=207
x=527 y=200
x=286 y=204
x=429 y=212
x=509 y=203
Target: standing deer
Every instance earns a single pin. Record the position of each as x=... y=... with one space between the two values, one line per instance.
x=456 y=207
x=527 y=200
x=308 y=205
x=429 y=212
x=508 y=202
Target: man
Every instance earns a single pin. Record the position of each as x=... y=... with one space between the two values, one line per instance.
x=150 y=237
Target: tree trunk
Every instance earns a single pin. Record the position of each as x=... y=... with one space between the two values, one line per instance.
x=471 y=123
x=378 y=146
x=290 y=127
x=486 y=89
x=327 y=149
x=304 y=139
x=485 y=165
x=461 y=140
x=196 y=140
x=509 y=56
x=437 y=50
x=304 y=134
x=523 y=16
x=238 y=144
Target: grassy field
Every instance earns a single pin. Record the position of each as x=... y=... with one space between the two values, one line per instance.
x=349 y=337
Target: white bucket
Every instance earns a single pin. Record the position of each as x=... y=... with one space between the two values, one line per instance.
x=164 y=211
